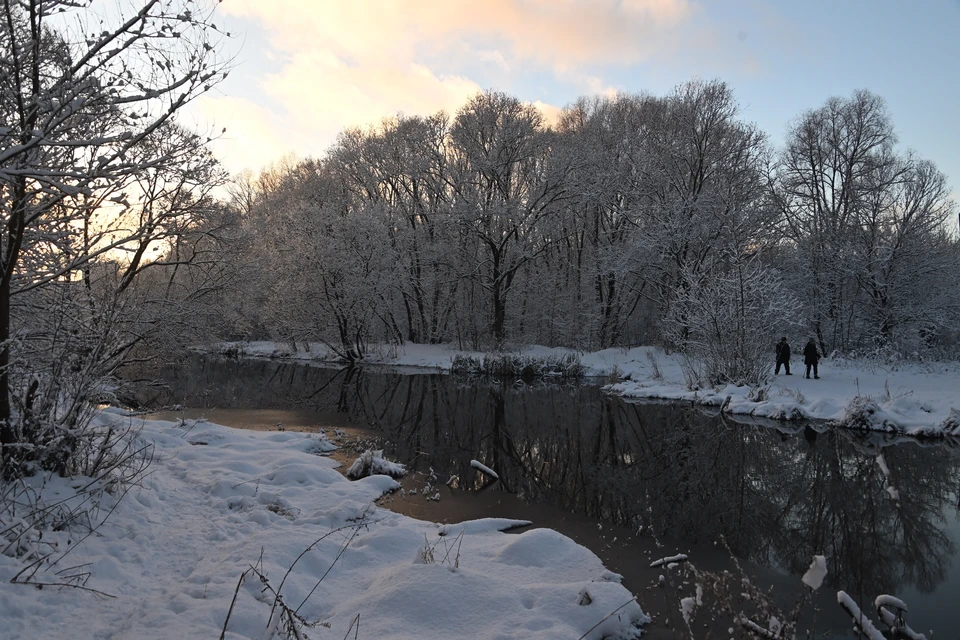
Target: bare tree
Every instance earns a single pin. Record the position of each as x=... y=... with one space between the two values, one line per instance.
x=867 y=228
x=505 y=187
x=88 y=103
x=401 y=167
x=822 y=178
x=704 y=205
x=608 y=229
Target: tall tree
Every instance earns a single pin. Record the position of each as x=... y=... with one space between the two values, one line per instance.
x=84 y=97
x=505 y=186
x=868 y=228
x=402 y=168
x=833 y=160
x=704 y=202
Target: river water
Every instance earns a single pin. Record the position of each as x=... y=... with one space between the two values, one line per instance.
x=632 y=481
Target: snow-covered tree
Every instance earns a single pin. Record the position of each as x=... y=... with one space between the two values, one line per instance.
x=720 y=321
x=823 y=174
x=867 y=228
x=401 y=167
x=504 y=188
x=605 y=255
x=89 y=154
x=703 y=188
x=493 y=227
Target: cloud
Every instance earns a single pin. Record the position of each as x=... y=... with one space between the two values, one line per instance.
x=330 y=64
x=551 y=114
x=544 y=31
x=325 y=93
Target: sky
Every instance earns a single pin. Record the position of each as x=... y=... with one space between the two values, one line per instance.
x=307 y=69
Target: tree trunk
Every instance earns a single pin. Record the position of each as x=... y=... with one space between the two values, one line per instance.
x=6 y=428
x=499 y=314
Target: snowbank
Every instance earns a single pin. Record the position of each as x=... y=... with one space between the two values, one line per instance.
x=913 y=399
x=221 y=502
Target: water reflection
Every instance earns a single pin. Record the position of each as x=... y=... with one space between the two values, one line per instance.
x=777 y=495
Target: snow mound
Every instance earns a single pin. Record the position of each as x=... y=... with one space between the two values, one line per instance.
x=173 y=552
x=482 y=525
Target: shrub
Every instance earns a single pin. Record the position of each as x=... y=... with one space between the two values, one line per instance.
x=508 y=365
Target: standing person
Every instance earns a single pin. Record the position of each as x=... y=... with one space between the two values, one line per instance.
x=810 y=358
x=783 y=356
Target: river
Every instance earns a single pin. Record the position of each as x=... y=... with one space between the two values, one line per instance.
x=631 y=481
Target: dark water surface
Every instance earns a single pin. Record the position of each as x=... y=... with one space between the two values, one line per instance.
x=634 y=481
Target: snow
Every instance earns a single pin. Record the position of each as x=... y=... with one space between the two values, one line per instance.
x=218 y=504
x=890 y=601
x=814 y=576
x=483 y=525
x=895 y=619
x=913 y=398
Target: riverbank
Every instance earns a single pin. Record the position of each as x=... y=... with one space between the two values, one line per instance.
x=221 y=503
x=912 y=398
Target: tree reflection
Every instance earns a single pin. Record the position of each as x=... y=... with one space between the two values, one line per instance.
x=777 y=494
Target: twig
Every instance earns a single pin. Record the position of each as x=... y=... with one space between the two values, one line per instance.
x=356 y=621
x=343 y=549
x=65 y=584
x=236 y=591
x=450 y=548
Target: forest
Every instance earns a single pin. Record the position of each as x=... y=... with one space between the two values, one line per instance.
x=635 y=219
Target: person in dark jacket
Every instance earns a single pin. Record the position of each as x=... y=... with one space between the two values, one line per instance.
x=783 y=356
x=811 y=357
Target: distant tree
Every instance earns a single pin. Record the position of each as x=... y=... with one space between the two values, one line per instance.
x=605 y=254
x=504 y=188
x=822 y=177
x=242 y=191
x=903 y=257
x=402 y=168
x=867 y=227
x=607 y=230
x=721 y=322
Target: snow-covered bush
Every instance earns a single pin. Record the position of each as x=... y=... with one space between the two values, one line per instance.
x=43 y=516
x=371 y=462
x=951 y=426
x=507 y=365
x=727 y=324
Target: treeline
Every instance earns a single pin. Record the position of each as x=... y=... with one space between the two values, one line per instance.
x=635 y=219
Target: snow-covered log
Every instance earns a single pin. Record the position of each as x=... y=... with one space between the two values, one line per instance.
x=891 y=611
x=861 y=622
x=372 y=463
x=479 y=466
x=680 y=557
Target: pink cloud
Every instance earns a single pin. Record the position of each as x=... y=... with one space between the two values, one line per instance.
x=543 y=31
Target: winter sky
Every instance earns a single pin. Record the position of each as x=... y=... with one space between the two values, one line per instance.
x=306 y=69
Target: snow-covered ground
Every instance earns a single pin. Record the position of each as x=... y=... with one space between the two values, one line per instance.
x=908 y=397
x=218 y=502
